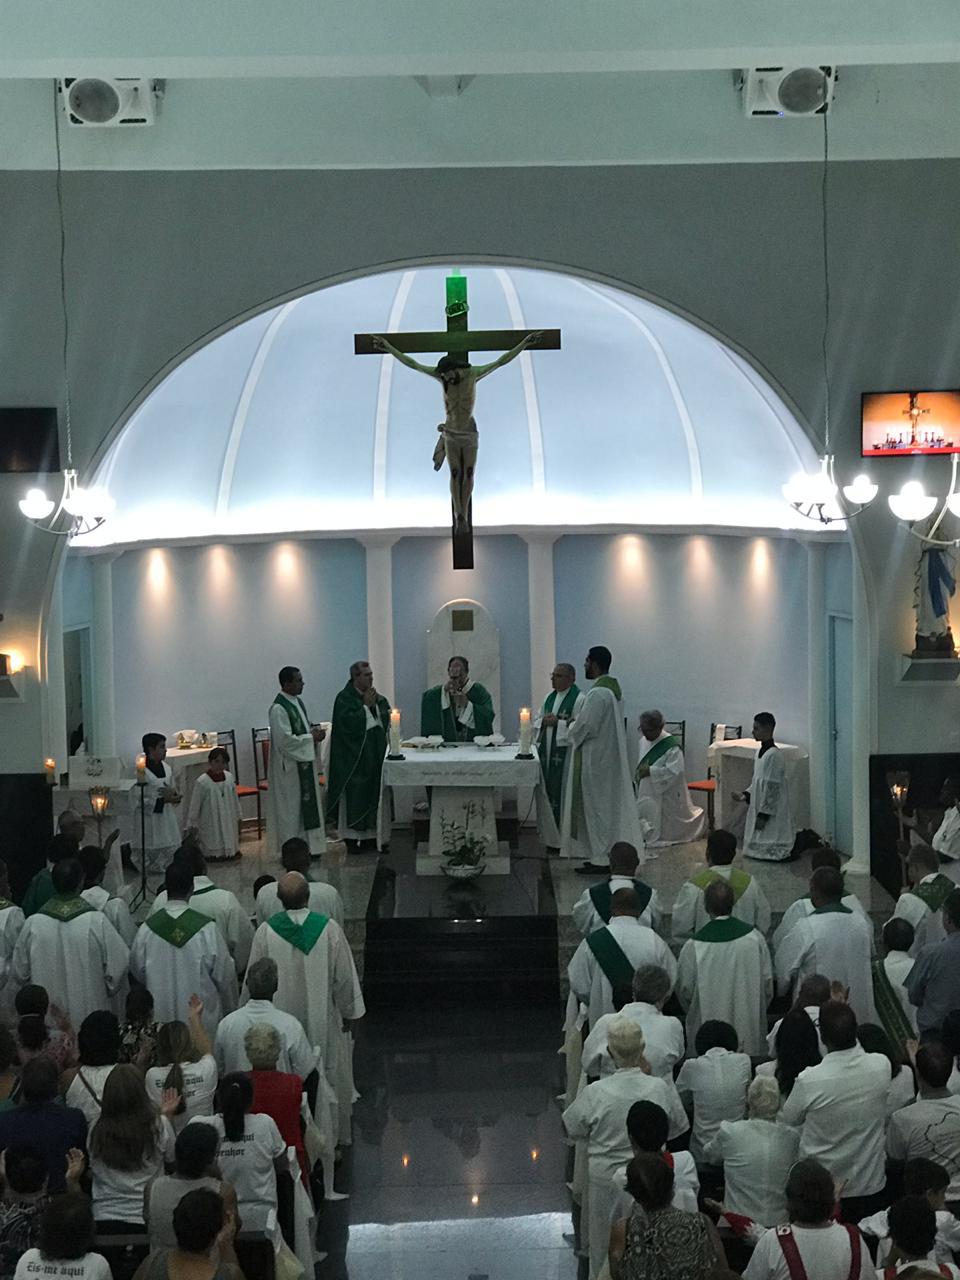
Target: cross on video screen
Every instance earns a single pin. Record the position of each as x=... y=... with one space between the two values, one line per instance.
x=900 y=424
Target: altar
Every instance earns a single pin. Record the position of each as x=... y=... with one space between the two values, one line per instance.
x=464 y=780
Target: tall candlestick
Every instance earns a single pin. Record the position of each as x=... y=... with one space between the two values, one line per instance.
x=50 y=770
x=141 y=768
x=395 y=732
x=526 y=731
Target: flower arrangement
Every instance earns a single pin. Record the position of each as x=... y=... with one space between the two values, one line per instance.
x=463 y=849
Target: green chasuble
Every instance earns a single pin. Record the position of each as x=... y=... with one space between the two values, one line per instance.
x=935 y=892
x=38 y=891
x=739 y=881
x=611 y=958
x=434 y=719
x=560 y=705
x=356 y=757
x=727 y=929
x=177 y=930
x=302 y=936
x=65 y=908
x=309 y=808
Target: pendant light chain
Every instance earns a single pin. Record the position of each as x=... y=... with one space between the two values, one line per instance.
x=63 y=278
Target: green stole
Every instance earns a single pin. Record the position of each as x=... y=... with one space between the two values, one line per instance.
x=727 y=930
x=65 y=908
x=739 y=881
x=177 y=930
x=610 y=956
x=890 y=1010
x=653 y=755
x=207 y=888
x=576 y=808
x=935 y=893
x=553 y=768
x=356 y=757
x=302 y=936
x=309 y=808
x=601 y=896
x=832 y=906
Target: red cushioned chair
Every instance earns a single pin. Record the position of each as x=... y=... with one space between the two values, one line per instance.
x=261 y=767
x=707 y=787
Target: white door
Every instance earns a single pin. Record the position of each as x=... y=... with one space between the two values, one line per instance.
x=840 y=797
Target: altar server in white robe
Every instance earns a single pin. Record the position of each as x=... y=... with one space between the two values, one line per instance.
x=552 y=727
x=769 y=832
x=749 y=901
x=666 y=812
x=115 y=909
x=71 y=949
x=11 y=922
x=179 y=952
x=802 y=907
x=921 y=904
x=591 y=911
x=832 y=940
x=724 y=974
x=599 y=1116
x=218 y=904
x=160 y=797
x=214 y=814
x=318 y=983
x=599 y=805
x=324 y=898
x=611 y=956
x=294 y=806
x=662 y=1034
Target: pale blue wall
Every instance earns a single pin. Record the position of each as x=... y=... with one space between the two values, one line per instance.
x=423 y=581
x=838 y=572
x=77 y=592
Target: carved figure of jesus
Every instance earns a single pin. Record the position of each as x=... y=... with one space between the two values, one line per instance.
x=459 y=438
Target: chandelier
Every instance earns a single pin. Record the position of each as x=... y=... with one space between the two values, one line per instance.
x=77 y=510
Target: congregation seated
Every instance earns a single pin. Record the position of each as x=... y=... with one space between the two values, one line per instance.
x=194 y=1166
x=826 y=1249
x=296 y=1053
x=98 y=1045
x=903 y=1089
x=657 y=1239
x=591 y=911
x=139 y=1032
x=757 y=1155
x=648 y=1128
x=24 y=1174
x=662 y=1034
x=41 y=1121
x=926 y=1178
x=324 y=898
x=930 y=1127
x=824 y=856
x=185 y=1064
x=913 y=1233
x=65 y=1244
x=797 y=1047
x=749 y=901
x=713 y=1085
x=920 y=904
x=252 y=1152
x=129 y=1145
x=204 y=1231
x=277 y=1094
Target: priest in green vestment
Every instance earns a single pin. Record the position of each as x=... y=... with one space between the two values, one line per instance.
x=358 y=743
x=460 y=710
x=559 y=708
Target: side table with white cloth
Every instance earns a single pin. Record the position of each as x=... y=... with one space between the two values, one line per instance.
x=732 y=764
x=186 y=765
x=464 y=780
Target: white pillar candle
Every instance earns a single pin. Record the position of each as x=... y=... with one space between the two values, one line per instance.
x=526 y=731
x=395 y=732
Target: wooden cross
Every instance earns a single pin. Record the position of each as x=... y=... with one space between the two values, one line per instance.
x=458 y=339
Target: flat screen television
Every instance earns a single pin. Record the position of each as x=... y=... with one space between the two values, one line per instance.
x=28 y=441
x=898 y=424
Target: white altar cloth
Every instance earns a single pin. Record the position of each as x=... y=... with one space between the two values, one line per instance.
x=732 y=765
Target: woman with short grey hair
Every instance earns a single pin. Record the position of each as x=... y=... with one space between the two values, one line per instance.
x=757 y=1155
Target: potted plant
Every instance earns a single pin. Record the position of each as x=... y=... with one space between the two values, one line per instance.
x=464 y=850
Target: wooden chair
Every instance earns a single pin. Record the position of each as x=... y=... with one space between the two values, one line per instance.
x=228 y=738
x=707 y=787
x=679 y=730
x=261 y=767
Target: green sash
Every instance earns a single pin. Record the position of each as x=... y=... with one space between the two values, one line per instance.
x=832 y=906
x=553 y=768
x=302 y=936
x=207 y=888
x=65 y=909
x=601 y=896
x=890 y=1010
x=653 y=755
x=177 y=930
x=935 y=892
x=309 y=808
x=576 y=808
x=727 y=930
x=739 y=881
x=610 y=957
x=611 y=683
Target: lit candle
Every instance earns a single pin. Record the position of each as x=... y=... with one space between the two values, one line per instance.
x=50 y=769
x=395 y=732
x=141 y=768
x=526 y=731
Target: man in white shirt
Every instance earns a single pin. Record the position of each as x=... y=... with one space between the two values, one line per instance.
x=324 y=899
x=296 y=1053
x=840 y=1109
x=769 y=833
x=724 y=973
x=220 y=905
x=714 y=1083
x=667 y=815
x=757 y=1155
x=749 y=901
x=662 y=1034
x=897 y=1015
x=71 y=949
x=294 y=807
x=803 y=907
x=610 y=957
x=591 y=911
x=930 y=1127
x=921 y=904
x=832 y=940
x=179 y=952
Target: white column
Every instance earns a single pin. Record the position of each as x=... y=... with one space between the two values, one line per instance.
x=543 y=621
x=862 y=735
x=104 y=737
x=380 y=610
x=818 y=694
x=52 y=688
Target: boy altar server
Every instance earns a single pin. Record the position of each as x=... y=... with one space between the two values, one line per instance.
x=160 y=798
x=214 y=816
x=769 y=832
x=749 y=901
x=667 y=814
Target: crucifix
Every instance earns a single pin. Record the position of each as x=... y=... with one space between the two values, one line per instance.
x=458 y=379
